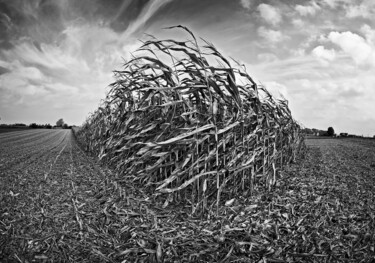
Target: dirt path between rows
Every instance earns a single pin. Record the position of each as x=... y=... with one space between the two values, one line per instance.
x=58 y=205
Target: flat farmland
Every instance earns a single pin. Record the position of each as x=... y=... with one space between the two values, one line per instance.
x=47 y=186
x=12 y=129
x=59 y=205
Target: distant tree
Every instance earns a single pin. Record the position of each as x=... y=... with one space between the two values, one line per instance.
x=34 y=126
x=48 y=126
x=60 y=123
x=330 y=131
x=307 y=131
x=18 y=124
x=65 y=126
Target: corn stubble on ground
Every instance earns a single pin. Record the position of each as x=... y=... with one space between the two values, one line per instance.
x=193 y=176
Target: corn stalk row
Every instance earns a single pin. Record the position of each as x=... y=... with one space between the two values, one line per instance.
x=181 y=120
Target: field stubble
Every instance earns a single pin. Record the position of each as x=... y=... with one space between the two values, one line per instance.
x=57 y=204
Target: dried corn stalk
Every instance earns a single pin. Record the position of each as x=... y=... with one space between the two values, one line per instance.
x=185 y=122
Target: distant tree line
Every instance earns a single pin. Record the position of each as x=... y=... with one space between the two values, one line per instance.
x=14 y=125
x=59 y=124
x=40 y=126
x=331 y=132
x=313 y=131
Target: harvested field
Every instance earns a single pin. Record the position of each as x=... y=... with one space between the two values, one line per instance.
x=12 y=129
x=47 y=186
x=58 y=205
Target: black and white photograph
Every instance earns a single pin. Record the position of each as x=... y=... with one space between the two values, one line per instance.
x=187 y=131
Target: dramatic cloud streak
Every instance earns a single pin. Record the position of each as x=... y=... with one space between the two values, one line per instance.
x=62 y=63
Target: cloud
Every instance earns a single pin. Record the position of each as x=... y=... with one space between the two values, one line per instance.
x=74 y=72
x=22 y=85
x=298 y=22
x=369 y=34
x=88 y=42
x=335 y=3
x=120 y=11
x=321 y=97
x=29 y=53
x=325 y=54
x=357 y=10
x=271 y=35
x=270 y=14
x=267 y=57
x=366 y=10
x=5 y=23
x=361 y=50
x=330 y=3
x=147 y=12
x=246 y=3
x=305 y=10
x=70 y=58
x=4 y=70
x=337 y=102
x=278 y=91
x=30 y=73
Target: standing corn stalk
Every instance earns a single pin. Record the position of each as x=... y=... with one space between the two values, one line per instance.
x=184 y=122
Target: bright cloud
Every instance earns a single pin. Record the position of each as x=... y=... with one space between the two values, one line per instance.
x=308 y=9
x=246 y=3
x=298 y=23
x=270 y=14
x=279 y=91
x=73 y=70
x=325 y=54
x=361 y=50
x=326 y=102
x=270 y=35
x=369 y=34
x=335 y=3
x=366 y=9
x=330 y=3
x=29 y=53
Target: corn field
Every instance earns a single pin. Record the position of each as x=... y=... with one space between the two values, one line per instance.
x=190 y=125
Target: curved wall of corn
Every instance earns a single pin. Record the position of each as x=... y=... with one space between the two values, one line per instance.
x=184 y=121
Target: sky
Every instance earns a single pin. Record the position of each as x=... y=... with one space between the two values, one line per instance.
x=57 y=56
